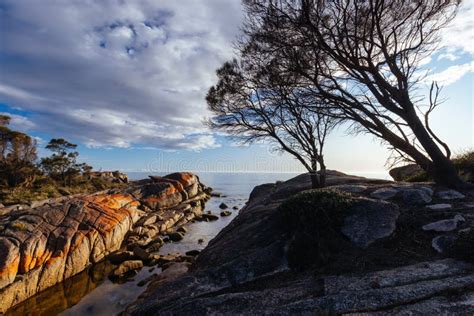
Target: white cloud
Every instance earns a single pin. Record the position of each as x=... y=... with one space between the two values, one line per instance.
x=19 y=123
x=116 y=72
x=451 y=74
x=458 y=37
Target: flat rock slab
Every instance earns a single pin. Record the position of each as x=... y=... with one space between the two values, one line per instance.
x=384 y=193
x=445 y=225
x=416 y=197
x=369 y=221
x=439 y=207
x=450 y=195
x=443 y=243
x=351 y=188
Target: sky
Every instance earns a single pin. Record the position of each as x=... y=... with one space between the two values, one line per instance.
x=126 y=81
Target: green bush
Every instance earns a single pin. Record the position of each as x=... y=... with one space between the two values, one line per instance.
x=464 y=163
x=313 y=219
x=463 y=247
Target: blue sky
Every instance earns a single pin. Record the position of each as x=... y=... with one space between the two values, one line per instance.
x=126 y=81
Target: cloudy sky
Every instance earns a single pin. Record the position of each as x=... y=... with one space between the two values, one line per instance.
x=126 y=80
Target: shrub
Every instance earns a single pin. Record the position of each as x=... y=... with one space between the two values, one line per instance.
x=463 y=246
x=313 y=219
x=464 y=163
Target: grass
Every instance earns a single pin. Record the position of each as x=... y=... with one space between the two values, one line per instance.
x=464 y=164
x=313 y=219
x=46 y=188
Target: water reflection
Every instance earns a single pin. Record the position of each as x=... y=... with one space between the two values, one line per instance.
x=92 y=293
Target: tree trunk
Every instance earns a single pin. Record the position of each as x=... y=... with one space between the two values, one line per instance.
x=322 y=172
x=313 y=173
x=314 y=180
x=441 y=168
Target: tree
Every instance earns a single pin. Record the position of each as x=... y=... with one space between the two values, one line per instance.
x=17 y=156
x=62 y=163
x=362 y=58
x=254 y=103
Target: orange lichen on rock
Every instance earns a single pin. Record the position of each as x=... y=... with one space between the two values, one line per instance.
x=57 y=240
x=185 y=178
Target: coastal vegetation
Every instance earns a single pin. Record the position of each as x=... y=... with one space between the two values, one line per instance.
x=24 y=178
x=356 y=62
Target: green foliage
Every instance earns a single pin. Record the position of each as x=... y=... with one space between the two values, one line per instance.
x=313 y=219
x=421 y=176
x=62 y=164
x=464 y=164
x=21 y=180
x=17 y=156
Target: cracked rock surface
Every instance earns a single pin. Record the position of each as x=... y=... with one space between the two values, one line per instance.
x=43 y=245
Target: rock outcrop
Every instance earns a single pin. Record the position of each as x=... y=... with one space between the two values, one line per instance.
x=52 y=241
x=111 y=176
x=245 y=269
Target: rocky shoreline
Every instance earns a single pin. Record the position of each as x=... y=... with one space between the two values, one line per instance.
x=48 y=242
x=400 y=251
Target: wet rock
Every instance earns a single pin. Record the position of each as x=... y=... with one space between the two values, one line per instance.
x=235 y=208
x=216 y=194
x=182 y=229
x=416 y=197
x=384 y=193
x=176 y=236
x=450 y=195
x=370 y=220
x=146 y=280
x=226 y=213
x=141 y=253
x=223 y=206
x=210 y=217
x=443 y=243
x=166 y=259
x=127 y=266
x=59 y=238
x=120 y=256
x=200 y=241
x=193 y=253
x=445 y=225
x=439 y=207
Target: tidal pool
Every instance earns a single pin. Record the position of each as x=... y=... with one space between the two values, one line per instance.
x=92 y=293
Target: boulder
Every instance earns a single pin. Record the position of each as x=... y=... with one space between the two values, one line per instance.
x=445 y=225
x=439 y=207
x=223 y=206
x=226 y=213
x=443 y=243
x=120 y=256
x=140 y=253
x=176 y=236
x=210 y=217
x=126 y=267
x=53 y=240
x=370 y=220
x=384 y=193
x=405 y=172
x=193 y=253
x=416 y=197
x=450 y=195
